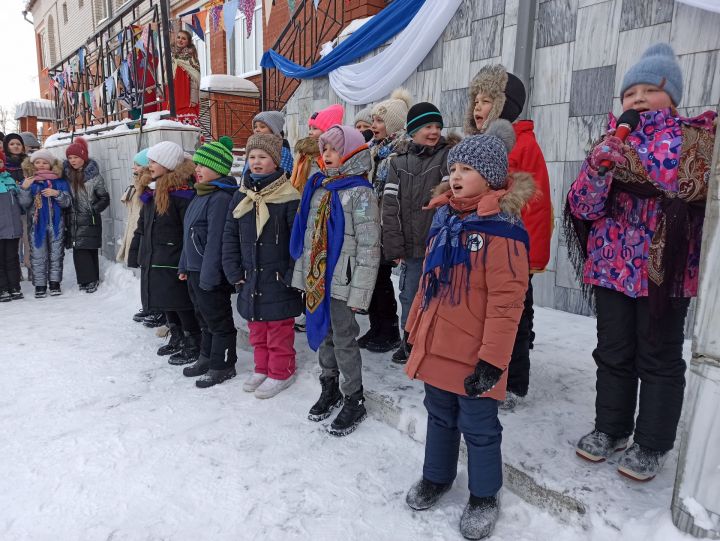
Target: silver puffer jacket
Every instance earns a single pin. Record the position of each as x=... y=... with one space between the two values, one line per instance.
x=354 y=277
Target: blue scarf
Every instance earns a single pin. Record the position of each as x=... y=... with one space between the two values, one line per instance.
x=318 y=321
x=42 y=214
x=446 y=249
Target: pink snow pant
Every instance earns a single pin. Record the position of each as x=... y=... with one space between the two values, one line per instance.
x=273 y=343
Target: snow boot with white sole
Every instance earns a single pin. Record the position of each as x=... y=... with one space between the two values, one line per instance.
x=351 y=415
x=190 y=351
x=424 y=494
x=270 y=387
x=40 y=292
x=175 y=343
x=55 y=290
x=641 y=463
x=479 y=517
x=16 y=294
x=215 y=377
x=330 y=398
x=598 y=446
x=199 y=368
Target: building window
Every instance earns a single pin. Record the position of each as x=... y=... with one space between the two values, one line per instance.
x=44 y=53
x=247 y=51
x=203 y=49
x=65 y=14
x=52 y=57
x=101 y=11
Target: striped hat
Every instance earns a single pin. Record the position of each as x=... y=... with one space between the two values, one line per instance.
x=216 y=155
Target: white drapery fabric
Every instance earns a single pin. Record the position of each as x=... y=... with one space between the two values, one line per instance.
x=708 y=5
x=376 y=77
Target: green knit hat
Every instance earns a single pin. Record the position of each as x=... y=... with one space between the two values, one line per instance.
x=216 y=155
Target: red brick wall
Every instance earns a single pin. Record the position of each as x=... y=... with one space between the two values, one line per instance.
x=232 y=116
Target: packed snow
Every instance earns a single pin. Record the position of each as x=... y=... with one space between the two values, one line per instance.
x=105 y=440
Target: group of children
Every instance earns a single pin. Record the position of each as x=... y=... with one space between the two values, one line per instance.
x=310 y=242
x=55 y=205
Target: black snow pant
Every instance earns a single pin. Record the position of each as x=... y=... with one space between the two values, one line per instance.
x=383 y=305
x=87 y=265
x=628 y=351
x=9 y=265
x=185 y=319
x=519 y=369
x=213 y=310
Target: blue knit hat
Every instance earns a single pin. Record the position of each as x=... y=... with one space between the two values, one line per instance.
x=487 y=153
x=657 y=66
x=141 y=158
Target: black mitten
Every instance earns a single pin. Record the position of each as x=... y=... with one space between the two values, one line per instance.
x=484 y=378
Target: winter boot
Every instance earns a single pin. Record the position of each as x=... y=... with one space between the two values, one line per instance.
x=270 y=387
x=598 y=446
x=479 y=517
x=424 y=494
x=388 y=338
x=154 y=320
x=140 y=316
x=16 y=294
x=55 y=289
x=190 y=350
x=200 y=368
x=330 y=398
x=403 y=352
x=300 y=323
x=214 y=377
x=351 y=415
x=82 y=287
x=91 y=287
x=511 y=401
x=253 y=382
x=5 y=296
x=365 y=338
x=174 y=344
x=40 y=292
x=641 y=463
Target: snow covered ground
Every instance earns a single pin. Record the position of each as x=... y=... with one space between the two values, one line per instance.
x=105 y=440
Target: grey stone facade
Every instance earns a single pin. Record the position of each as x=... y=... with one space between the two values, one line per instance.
x=582 y=50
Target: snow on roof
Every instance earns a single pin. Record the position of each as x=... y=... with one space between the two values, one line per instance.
x=229 y=84
x=42 y=109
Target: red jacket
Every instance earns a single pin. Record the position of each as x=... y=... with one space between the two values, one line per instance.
x=527 y=157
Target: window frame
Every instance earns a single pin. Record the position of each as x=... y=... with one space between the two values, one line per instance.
x=236 y=56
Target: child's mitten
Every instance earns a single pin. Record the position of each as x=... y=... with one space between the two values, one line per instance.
x=484 y=378
x=611 y=149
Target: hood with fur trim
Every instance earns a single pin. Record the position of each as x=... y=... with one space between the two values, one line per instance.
x=490 y=81
x=182 y=175
x=307 y=146
x=29 y=169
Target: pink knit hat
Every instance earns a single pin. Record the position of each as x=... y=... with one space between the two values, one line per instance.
x=344 y=139
x=327 y=117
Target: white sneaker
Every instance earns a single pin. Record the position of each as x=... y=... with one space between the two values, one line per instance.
x=300 y=322
x=270 y=387
x=253 y=382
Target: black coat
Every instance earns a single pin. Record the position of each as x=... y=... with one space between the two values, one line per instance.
x=156 y=248
x=263 y=263
x=88 y=202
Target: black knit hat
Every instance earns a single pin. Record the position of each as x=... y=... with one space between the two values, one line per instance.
x=514 y=98
x=9 y=137
x=421 y=114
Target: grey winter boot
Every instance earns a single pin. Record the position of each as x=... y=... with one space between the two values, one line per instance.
x=200 y=368
x=479 y=517
x=641 y=463
x=213 y=377
x=598 y=446
x=424 y=494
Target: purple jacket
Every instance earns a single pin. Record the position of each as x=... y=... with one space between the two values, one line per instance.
x=618 y=246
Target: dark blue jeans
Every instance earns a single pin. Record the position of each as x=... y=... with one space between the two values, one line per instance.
x=450 y=415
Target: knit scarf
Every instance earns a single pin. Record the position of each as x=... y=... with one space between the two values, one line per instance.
x=668 y=253
x=447 y=248
x=183 y=192
x=327 y=240
x=278 y=191
x=307 y=153
x=7 y=183
x=185 y=59
x=44 y=207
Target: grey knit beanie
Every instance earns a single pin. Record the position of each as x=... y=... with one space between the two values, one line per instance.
x=487 y=153
x=657 y=66
x=364 y=115
x=274 y=120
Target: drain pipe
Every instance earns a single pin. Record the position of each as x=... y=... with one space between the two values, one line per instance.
x=524 y=43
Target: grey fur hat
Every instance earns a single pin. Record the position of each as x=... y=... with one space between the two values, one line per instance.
x=487 y=153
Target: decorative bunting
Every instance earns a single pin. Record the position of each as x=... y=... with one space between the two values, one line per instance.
x=247 y=8
x=317 y=3
x=215 y=14
x=291 y=6
x=81 y=58
x=229 y=11
x=196 y=27
x=267 y=8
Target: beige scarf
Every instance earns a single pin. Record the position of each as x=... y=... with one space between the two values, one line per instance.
x=279 y=191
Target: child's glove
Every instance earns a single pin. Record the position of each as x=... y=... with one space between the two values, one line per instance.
x=611 y=148
x=484 y=378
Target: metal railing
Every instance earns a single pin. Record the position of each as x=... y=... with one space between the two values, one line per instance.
x=300 y=42
x=122 y=72
x=226 y=114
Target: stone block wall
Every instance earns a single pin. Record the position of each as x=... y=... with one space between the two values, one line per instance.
x=581 y=52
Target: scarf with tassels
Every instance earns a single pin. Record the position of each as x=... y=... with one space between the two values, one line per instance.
x=279 y=191
x=184 y=58
x=46 y=208
x=448 y=247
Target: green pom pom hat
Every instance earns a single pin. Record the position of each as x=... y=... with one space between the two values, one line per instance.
x=216 y=155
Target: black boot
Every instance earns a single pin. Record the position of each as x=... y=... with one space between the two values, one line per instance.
x=16 y=294
x=40 y=292
x=5 y=296
x=330 y=398
x=387 y=338
x=140 y=316
x=200 y=368
x=190 y=350
x=55 y=289
x=213 y=377
x=424 y=494
x=154 y=320
x=91 y=287
x=175 y=343
x=351 y=415
x=479 y=517
x=403 y=352
x=365 y=338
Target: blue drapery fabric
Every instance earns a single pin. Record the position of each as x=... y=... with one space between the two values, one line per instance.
x=373 y=34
